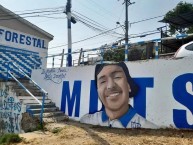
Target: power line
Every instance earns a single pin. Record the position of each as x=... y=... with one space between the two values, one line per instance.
x=53 y=12
x=19 y=17
x=102 y=8
x=152 y=32
x=34 y=12
x=146 y=19
x=57 y=51
x=86 y=38
x=93 y=24
x=40 y=9
x=91 y=20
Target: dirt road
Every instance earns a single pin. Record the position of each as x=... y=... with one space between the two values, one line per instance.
x=74 y=133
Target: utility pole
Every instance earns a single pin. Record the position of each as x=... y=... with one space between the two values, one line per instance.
x=126 y=30
x=68 y=12
x=127 y=3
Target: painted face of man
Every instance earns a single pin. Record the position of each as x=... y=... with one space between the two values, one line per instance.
x=113 y=88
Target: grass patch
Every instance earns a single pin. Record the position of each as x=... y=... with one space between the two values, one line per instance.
x=56 y=130
x=6 y=139
x=40 y=127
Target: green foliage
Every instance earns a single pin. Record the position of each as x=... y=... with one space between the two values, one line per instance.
x=116 y=55
x=40 y=127
x=56 y=130
x=6 y=139
x=181 y=8
x=135 y=54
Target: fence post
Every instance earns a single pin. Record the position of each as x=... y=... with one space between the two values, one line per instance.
x=156 y=50
x=102 y=53
x=53 y=62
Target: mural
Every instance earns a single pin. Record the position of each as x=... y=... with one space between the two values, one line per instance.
x=115 y=86
x=163 y=99
x=54 y=75
x=10 y=110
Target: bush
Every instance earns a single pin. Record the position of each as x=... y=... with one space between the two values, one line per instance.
x=9 y=138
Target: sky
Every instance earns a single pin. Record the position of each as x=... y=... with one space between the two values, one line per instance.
x=103 y=14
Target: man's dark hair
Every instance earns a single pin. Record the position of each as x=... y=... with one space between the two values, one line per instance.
x=133 y=85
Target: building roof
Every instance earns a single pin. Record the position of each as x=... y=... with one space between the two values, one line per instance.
x=174 y=44
x=26 y=22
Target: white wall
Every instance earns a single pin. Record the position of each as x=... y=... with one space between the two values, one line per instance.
x=160 y=101
x=18 y=40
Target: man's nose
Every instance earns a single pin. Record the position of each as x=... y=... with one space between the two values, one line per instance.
x=110 y=83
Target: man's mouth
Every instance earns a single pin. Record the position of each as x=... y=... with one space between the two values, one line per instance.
x=113 y=95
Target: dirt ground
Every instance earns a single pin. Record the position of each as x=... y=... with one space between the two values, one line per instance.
x=74 y=133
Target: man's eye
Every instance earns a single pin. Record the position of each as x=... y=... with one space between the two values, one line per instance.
x=117 y=77
x=102 y=82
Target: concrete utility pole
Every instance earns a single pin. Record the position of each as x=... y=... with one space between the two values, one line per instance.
x=127 y=3
x=68 y=12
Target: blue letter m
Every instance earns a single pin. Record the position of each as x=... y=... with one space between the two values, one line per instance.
x=71 y=99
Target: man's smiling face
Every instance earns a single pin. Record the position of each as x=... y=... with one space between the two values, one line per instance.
x=113 y=88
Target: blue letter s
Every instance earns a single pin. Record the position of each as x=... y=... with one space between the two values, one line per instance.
x=182 y=96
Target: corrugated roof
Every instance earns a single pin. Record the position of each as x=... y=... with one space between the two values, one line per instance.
x=176 y=43
x=26 y=22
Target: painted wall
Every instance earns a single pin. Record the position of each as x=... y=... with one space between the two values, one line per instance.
x=165 y=97
x=10 y=110
x=25 y=50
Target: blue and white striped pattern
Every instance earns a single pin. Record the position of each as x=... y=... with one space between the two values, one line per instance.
x=26 y=60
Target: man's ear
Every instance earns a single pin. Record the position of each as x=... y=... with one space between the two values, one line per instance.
x=129 y=88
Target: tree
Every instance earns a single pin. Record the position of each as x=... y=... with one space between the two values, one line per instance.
x=118 y=54
x=181 y=8
x=114 y=55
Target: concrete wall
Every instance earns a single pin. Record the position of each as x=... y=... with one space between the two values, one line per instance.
x=10 y=110
x=165 y=97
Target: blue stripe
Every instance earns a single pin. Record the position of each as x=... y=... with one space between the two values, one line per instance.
x=126 y=51
x=17 y=50
x=17 y=62
x=156 y=39
x=26 y=60
x=141 y=42
x=181 y=35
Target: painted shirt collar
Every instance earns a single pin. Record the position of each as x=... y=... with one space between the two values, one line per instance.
x=125 y=119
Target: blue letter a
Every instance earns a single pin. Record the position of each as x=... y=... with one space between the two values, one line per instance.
x=71 y=99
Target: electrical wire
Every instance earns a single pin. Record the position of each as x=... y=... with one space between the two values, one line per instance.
x=105 y=11
x=19 y=17
x=40 y=9
x=86 y=38
x=94 y=25
x=107 y=41
x=146 y=19
x=45 y=12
